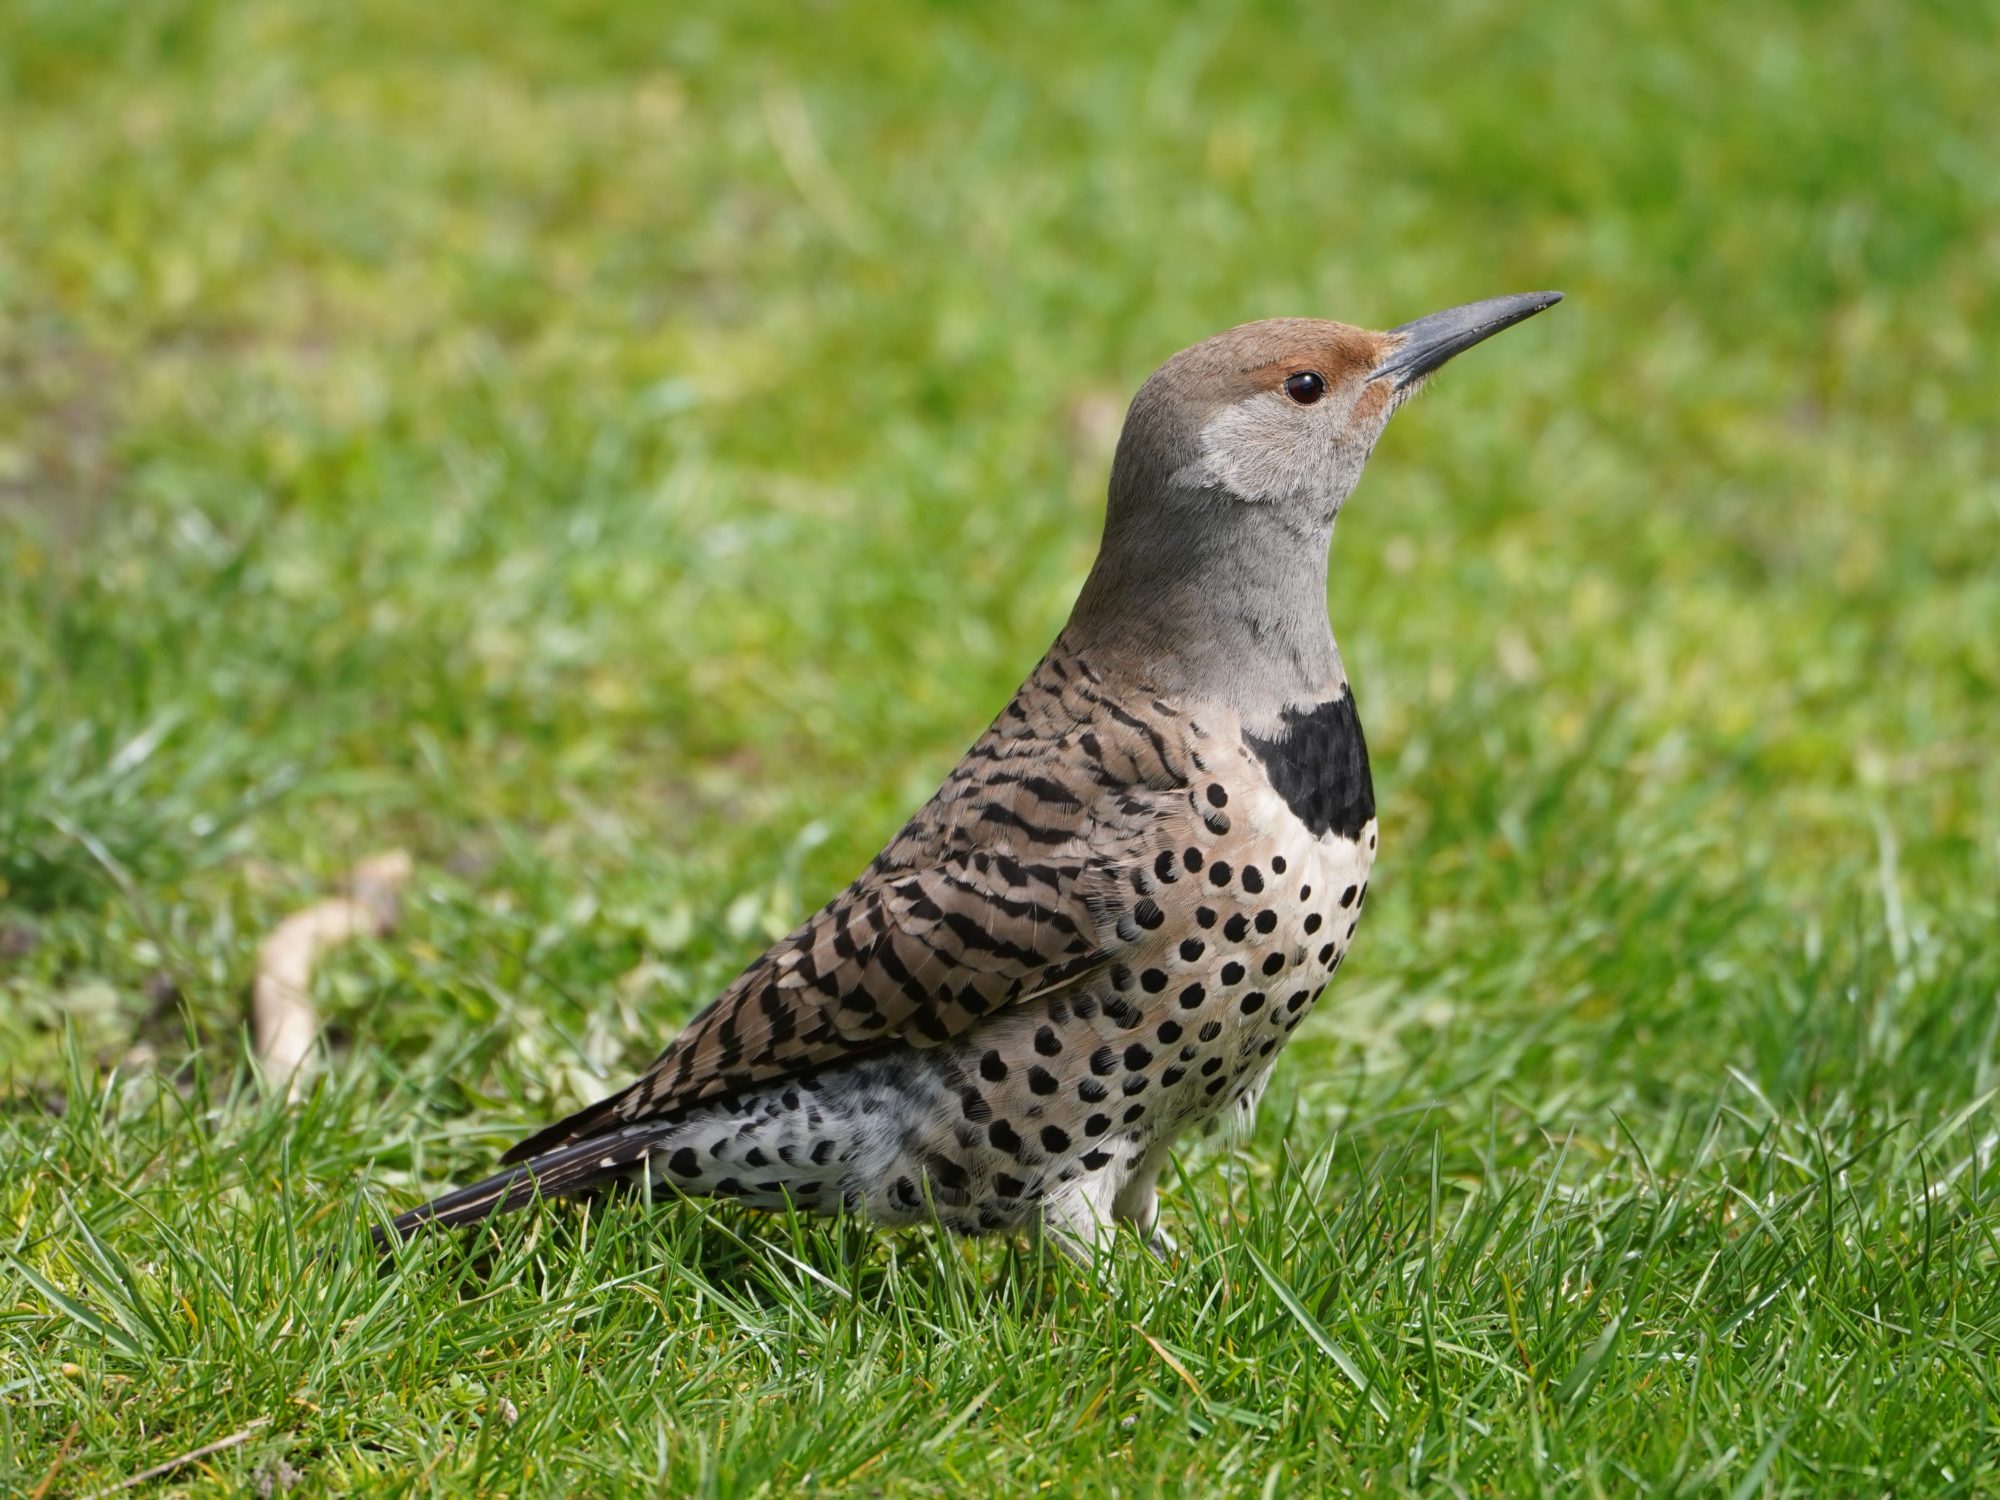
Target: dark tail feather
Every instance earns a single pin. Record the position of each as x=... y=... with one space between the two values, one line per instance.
x=568 y=1169
x=585 y=1122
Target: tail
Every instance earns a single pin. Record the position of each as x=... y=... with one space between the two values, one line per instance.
x=568 y=1169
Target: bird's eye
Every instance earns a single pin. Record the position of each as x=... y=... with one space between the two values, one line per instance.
x=1305 y=387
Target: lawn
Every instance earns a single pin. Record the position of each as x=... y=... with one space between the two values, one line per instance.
x=622 y=454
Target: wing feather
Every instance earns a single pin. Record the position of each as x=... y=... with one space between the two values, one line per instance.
x=1017 y=878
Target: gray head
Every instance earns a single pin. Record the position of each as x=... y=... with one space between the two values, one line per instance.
x=1235 y=459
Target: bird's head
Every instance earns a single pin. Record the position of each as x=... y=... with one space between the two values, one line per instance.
x=1284 y=413
x=1233 y=464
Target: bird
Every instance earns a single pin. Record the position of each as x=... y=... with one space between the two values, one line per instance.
x=1101 y=930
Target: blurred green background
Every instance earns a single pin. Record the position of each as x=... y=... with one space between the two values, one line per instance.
x=623 y=453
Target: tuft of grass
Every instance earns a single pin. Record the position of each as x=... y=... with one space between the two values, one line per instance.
x=624 y=456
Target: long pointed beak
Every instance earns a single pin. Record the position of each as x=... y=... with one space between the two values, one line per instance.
x=1429 y=342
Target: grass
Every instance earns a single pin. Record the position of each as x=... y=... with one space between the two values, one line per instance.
x=623 y=454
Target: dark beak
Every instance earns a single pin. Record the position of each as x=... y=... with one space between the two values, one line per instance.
x=1429 y=342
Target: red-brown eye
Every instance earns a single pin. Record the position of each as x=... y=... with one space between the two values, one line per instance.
x=1305 y=387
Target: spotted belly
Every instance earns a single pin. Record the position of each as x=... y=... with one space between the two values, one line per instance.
x=1082 y=1090
x=1078 y=1092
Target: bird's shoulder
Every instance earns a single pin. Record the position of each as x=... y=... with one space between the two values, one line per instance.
x=1072 y=748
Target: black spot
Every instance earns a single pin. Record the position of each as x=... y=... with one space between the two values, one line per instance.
x=1096 y=1125
x=1136 y=1112
x=1192 y=949
x=1192 y=996
x=1217 y=797
x=1148 y=914
x=1253 y=879
x=1326 y=953
x=1218 y=873
x=1121 y=978
x=1312 y=923
x=1347 y=896
x=755 y=1157
x=1208 y=1068
x=1047 y=1042
x=1362 y=899
x=1216 y=1087
x=1191 y=860
x=1297 y=999
x=1188 y=1052
x=1169 y=1032
x=1277 y=864
x=728 y=1187
x=1164 y=867
x=1171 y=1077
x=1090 y=1091
x=1007 y=1187
x=1041 y=1080
x=1210 y=1031
x=1266 y=921
x=1236 y=928
x=992 y=1067
x=1204 y=916
x=684 y=1163
x=1318 y=762
x=1055 y=1138
x=1002 y=1136
x=1305 y=893
x=1092 y=1160
x=1251 y=1003
x=1103 y=1061
x=1135 y=1083
x=1232 y=972
x=974 y=1106
x=1267 y=1048
x=906 y=1192
x=1137 y=1056
x=1153 y=981
x=1273 y=962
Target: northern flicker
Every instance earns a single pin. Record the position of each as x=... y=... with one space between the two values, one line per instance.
x=1104 y=926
